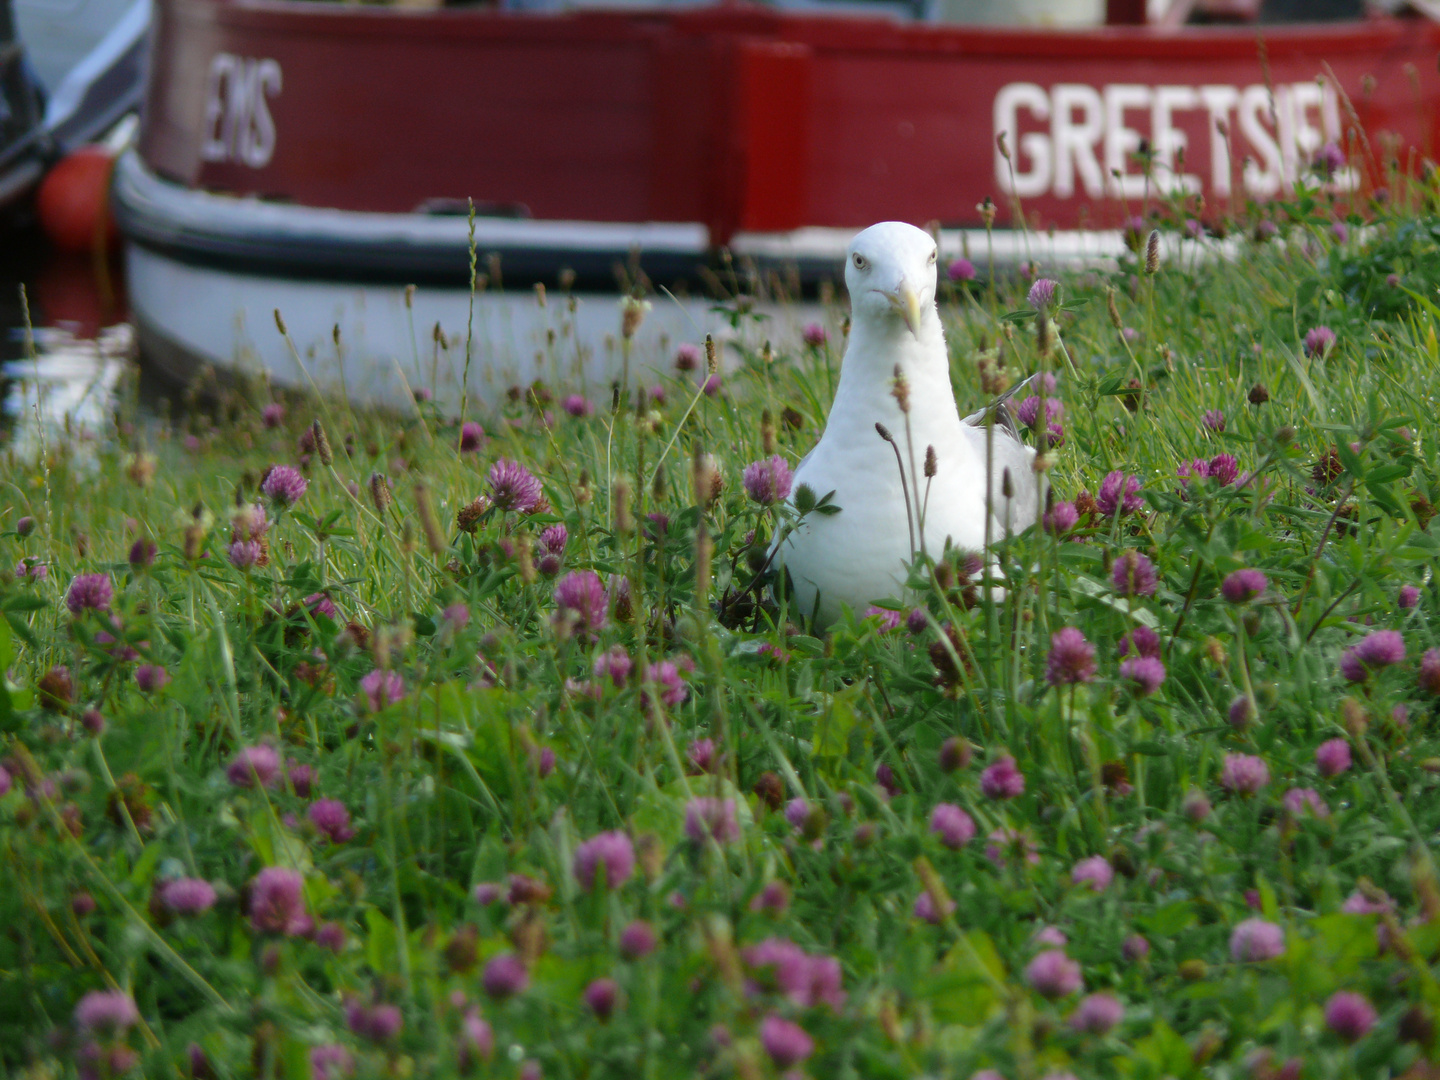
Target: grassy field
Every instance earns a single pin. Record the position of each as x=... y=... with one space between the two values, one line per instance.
x=343 y=745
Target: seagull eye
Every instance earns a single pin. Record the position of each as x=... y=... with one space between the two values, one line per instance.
x=932 y=257
x=860 y=261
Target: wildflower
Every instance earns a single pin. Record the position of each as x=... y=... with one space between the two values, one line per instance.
x=1052 y=936
x=477 y=1041
x=31 y=569
x=768 y=480
x=581 y=603
x=1378 y=650
x=926 y=910
x=954 y=754
x=961 y=270
x=1042 y=294
x=709 y=818
x=1142 y=641
x=885 y=777
x=712 y=385
x=188 y=896
x=283 y=485
x=1096 y=872
x=505 y=975
x=1255 y=940
x=1224 y=469
x=1407 y=597
x=106 y=1012
x=611 y=852
x=1429 y=678
x=1119 y=494
x=1052 y=974
x=330 y=936
x=701 y=753
x=688 y=357
x=93 y=721
x=1297 y=800
x=1357 y=903
x=332 y=819
x=89 y=592
x=1007 y=843
x=600 y=996
x=1318 y=341
x=1071 y=659
x=578 y=406
x=1133 y=574
x=1145 y=673
x=1002 y=780
x=1097 y=1013
x=151 y=677
x=254 y=765
x=245 y=554
x=1241 y=712
x=667 y=679
x=514 y=487
x=1329 y=159
x=1061 y=518
x=786 y=1043
x=637 y=940
x=614 y=664
x=1214 y=420
x=1134 y=948
x=377 y=1023
x=1241 y=586
x=814 y=335
x=1349 y=1015
x=888 y=619
x=277 y=902
x=1028 y=411
x=487 y=893
x=952 y=824
x=1244 y=774
x=1332 y=757
x=318 y=604
x=774 y=897
x=381 y=688
x=331 y=1062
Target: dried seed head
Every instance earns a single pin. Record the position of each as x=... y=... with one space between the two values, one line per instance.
x=280 y=322
x=540 y=294
x=883 y=432
x=335 y=334
x=438 y=336
x=1152 y=252
x=632 y=314
x=987 y=211
x=1258 y=394
x=767 y=355
x=380 y=492
x=584 y=492
x=1000 y=145
x=900 y=391
x=322 y=443
x=658 y=485
x=624 y=519
x=1007 y=486
x=470 y=514
x=712 y=362
x=433 y=538
x=409 y=297
x=566 y=279
x=767 y=432
x=1111 y=309
x=932 y=464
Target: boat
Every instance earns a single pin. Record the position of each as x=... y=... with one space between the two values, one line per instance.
x=318 y=158
x=69 y=72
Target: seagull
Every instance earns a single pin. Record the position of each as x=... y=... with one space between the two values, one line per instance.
x=859 y=555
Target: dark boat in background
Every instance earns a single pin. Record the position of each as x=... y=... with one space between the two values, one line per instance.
x=318 y=157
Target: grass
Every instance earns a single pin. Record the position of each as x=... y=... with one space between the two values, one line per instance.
x=418 y=673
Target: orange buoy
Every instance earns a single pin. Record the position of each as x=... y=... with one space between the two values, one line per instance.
x=74 y=201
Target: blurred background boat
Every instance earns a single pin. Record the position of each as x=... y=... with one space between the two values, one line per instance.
x=318 y=159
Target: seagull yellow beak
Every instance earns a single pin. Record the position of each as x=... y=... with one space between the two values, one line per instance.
x=907 y=304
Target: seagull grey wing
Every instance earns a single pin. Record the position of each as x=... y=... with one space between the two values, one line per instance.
x=1004 y=418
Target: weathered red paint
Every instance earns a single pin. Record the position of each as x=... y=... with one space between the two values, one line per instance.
x=740 y=117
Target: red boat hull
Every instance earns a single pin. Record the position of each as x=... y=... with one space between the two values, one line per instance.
x=753 y=121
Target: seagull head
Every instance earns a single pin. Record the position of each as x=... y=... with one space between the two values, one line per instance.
x=890 y=272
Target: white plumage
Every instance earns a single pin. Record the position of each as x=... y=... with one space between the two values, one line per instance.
x=858 y=555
